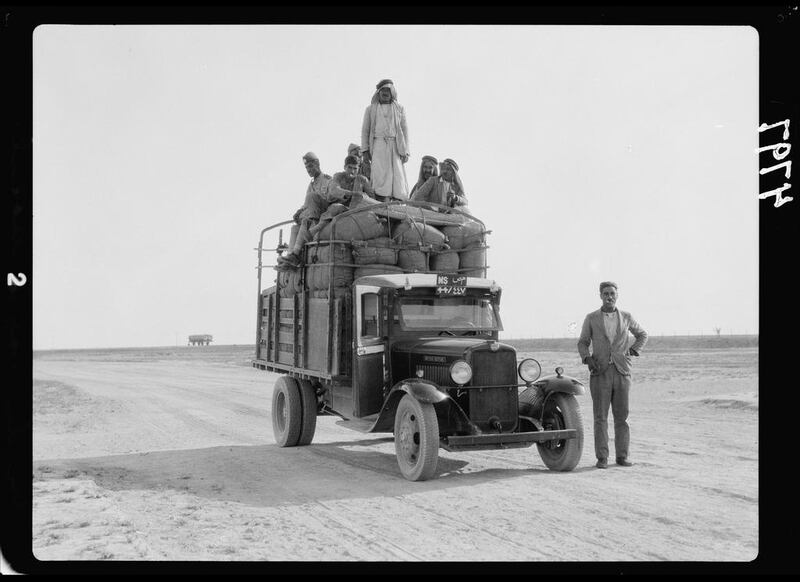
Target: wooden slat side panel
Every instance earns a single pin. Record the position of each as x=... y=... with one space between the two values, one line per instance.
x=319 y=338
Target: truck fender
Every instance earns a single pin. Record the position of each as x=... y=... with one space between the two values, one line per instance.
x=448 y=412
x=565 y=384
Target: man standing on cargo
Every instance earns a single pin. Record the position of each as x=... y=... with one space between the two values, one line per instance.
x=609 y=365
x=384 y=141
x=321 y=193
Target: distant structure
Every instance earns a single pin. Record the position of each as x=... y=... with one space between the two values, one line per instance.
x=200 y=340
x=717 y=329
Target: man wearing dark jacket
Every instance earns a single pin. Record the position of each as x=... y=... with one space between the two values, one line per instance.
x=609 y=365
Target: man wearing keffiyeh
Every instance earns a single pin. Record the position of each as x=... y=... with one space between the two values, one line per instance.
x=427 y=169
x=384 y=141
x=445 y=189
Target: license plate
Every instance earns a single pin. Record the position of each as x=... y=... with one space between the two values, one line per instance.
x=451 y=285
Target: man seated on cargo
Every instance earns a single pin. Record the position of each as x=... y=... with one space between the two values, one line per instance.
x=445 y=189
x=321 y=193
x=363 y=165
x=427 y=170
x=350 y=179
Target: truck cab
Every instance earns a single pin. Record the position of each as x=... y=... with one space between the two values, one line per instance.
x=416 y=354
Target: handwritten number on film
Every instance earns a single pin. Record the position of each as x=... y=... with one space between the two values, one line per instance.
x=17 y=280
x=779 y=152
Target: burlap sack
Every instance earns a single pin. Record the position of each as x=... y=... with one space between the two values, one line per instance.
x=464 y=235
x=289 y=282
x=444 y=261
x=318 y=276
x=323 y=293
x=410 y=232
x=374 y=251
x=413 y=261
x=421 y=214
x=472 y=261
x=324 y=252
x=359 y=226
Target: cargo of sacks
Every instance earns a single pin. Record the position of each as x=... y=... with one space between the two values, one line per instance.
x=394 y=238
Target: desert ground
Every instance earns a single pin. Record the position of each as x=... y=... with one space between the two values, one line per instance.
x=167 y=453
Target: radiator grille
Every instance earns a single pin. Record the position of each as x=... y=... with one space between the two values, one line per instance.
x=494 y=368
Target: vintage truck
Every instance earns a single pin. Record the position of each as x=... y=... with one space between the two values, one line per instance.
x=416 y=354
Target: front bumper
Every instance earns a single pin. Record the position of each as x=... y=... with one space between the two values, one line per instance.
x=504 y=440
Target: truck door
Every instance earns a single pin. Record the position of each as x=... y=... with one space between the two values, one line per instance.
x=370 y=351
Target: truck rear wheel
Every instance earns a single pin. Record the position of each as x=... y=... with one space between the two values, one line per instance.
x=308 y=400
x=416 y=438
x=561 y=411
x=287 y=412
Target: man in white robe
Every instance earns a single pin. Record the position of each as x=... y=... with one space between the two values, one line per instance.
x=384 y=141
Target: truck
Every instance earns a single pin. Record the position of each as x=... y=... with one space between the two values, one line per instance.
x=409 y=351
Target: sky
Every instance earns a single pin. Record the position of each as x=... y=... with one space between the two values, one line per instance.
x=592 y=153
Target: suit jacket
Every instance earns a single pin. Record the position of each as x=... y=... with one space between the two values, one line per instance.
x=607 y=350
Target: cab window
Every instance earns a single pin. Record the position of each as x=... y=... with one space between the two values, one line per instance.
x=369 y=315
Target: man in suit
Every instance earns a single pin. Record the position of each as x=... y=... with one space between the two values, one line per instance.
x=609 y=365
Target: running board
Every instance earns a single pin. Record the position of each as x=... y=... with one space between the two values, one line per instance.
x=364 y=424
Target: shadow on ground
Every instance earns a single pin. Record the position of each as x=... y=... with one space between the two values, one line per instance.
x=268 y=475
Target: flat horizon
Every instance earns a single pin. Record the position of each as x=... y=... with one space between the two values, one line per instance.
x=507 y=340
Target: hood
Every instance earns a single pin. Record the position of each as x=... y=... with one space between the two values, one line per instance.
x=449 y=346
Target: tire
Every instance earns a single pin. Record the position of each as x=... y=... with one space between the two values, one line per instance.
x=416 y=438
x=562 y=411
x=308 y=400
x=287 y=412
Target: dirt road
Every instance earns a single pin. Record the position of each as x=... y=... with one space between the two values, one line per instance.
x=144 y=457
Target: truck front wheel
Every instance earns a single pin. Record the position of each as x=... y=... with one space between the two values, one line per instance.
x=561 y=411
x=287 y=412
x=416 y=438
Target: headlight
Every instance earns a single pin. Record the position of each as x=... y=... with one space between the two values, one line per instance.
x=461 y=372
x=529 y=369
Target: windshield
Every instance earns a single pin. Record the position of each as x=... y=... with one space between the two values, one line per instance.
x=449 y=313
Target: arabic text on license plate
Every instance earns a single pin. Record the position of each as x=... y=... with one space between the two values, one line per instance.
x=457 y=280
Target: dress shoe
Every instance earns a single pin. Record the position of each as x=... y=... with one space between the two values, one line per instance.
x=602 y=464
x=624 y=462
